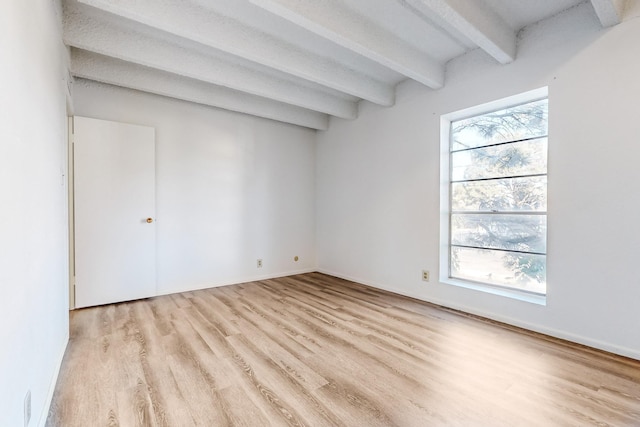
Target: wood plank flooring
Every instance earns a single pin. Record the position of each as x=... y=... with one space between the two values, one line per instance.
x=314 y=350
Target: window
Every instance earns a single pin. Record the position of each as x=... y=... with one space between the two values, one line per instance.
x=497 y=197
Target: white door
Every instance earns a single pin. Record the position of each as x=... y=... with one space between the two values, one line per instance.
x=114 y=198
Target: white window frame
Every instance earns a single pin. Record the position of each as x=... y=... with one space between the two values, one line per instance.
x=445 y=129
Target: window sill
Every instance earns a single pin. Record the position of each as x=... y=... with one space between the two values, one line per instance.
x=508 y=293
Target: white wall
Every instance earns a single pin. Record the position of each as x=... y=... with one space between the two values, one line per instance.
x=378 y=182
x=33 y=238
x=230 y=188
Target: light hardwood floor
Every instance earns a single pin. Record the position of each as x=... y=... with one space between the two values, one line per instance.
x=314 y=350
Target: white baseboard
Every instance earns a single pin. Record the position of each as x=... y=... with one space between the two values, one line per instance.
x=556 y=333
x=236 y=281
x=52 y=385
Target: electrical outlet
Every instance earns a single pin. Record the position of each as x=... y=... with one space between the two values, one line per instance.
x=27 y=408
x=259 y=263
x=425 y=275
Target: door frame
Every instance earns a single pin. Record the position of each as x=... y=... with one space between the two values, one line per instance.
x=71 y=216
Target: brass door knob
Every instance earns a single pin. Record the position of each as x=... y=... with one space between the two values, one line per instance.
x=149 y=220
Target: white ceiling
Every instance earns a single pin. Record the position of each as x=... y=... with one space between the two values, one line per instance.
x=295 y=61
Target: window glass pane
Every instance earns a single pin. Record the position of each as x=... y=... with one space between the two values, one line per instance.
x=511 y=124
x=525 y=272
x=508 y=194
x=516 y=159
x=498 y=197
x=526 y=233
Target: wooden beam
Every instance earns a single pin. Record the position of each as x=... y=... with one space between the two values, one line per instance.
x=610 y=12
x=333 y=21
x=103 y=69
x=87 y=32
x=189 y=21
x=480 y=24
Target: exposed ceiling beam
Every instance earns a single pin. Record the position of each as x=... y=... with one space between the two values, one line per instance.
x=120 y=73
x=479 y=23
x=331 y=20
x=610 y=12
x=91 y=34
x=211 y=29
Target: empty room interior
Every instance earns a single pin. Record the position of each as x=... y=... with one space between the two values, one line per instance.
x=319 y=213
